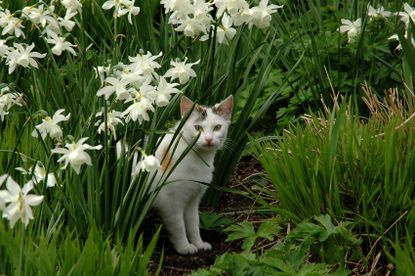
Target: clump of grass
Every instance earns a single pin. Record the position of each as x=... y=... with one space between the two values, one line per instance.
x=356 y=169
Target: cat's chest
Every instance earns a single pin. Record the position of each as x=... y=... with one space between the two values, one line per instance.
x=195 y=168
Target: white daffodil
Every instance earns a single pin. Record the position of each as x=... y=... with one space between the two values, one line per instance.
x=4 y=49
x=37 y=15
x=19 y=202
x=122 y=7
x=7 y=100
x=132 y=10
x=225 y=32
x=148 y=163
x=407 y=14
x=379 y=12
x=72 y=5
x=233 y=7
x=114 y=118
x=50 y=125
x=201 y=8
x=66 y=21
x=164 y=91
x=117 y=86
x=60 y=44
x=109 y=4
x=39 y=175
x=144 y=64
x=75 y=154
x=261 y=14
x=181 y=71
x=191 y=26
x=396 y=37
x=22 y=55
x=10 y=24
x=351 y=28
x=138 y=110
x=176 y=5
x=2 y=203
x=102 y=72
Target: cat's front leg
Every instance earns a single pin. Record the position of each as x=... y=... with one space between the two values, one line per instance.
x=191 y=218
x=174 y=222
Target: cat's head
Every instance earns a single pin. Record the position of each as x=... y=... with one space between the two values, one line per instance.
x=211 y=122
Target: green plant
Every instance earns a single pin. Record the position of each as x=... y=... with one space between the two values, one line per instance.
x=316 y=60
x=214 y=222
x=63 y=252
x=314 y=247
x=245 y=231
x=353 y=170
x=403 y=256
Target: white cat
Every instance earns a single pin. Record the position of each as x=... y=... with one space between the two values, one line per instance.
x=178 y=200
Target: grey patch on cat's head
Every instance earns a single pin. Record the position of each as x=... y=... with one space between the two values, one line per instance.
x=202 y=110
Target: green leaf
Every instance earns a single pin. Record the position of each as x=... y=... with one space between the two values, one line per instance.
x=329 y=227
x=269 y=229
x=214 y=221
x=244 y=230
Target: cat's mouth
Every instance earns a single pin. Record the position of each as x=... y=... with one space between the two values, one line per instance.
x=208 y=145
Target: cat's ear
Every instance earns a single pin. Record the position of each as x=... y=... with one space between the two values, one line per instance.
x=185 y=105
x=224 y=108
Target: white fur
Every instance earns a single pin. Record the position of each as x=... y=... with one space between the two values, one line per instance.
x=178 y=200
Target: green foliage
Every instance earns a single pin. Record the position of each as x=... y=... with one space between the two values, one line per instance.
x=404 y=255
x=214 y=222
x=315 y=60
x=354 y=170
x=63 y=253
x=246 y=231
x=312 y=248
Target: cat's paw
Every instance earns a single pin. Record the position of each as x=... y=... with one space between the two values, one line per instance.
x=187 y=249
x=205 y=246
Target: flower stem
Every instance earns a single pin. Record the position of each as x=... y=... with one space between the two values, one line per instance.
x=20 y=268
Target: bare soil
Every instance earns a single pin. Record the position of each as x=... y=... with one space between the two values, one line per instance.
x=233 y=205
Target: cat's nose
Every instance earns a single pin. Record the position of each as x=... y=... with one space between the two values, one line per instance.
x=209 y=141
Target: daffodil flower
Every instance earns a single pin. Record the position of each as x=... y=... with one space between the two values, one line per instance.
x=66 y=21
x=75 y=155
x=379 y=12
x=144 y=64
x=225 y=32
x=19 y=201
x=148 y=163
x=37 y=15
x=138 y=110
x=10 y=24
x=164 y=91
x=117 y=86
x=351 y=28
x=39 y=175
x=60 y=44
x=122 y=7
x=22 y=55
x=261 y=14
x=407 y=14
x=50 y=125
x=7 y=100
x=72 y=5
x=181 y=70
x=114 y=118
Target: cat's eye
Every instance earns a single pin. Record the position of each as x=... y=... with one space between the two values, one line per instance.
x=217 y=127
x=198 y=127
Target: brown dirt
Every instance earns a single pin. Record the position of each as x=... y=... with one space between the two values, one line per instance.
x=232 y=205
